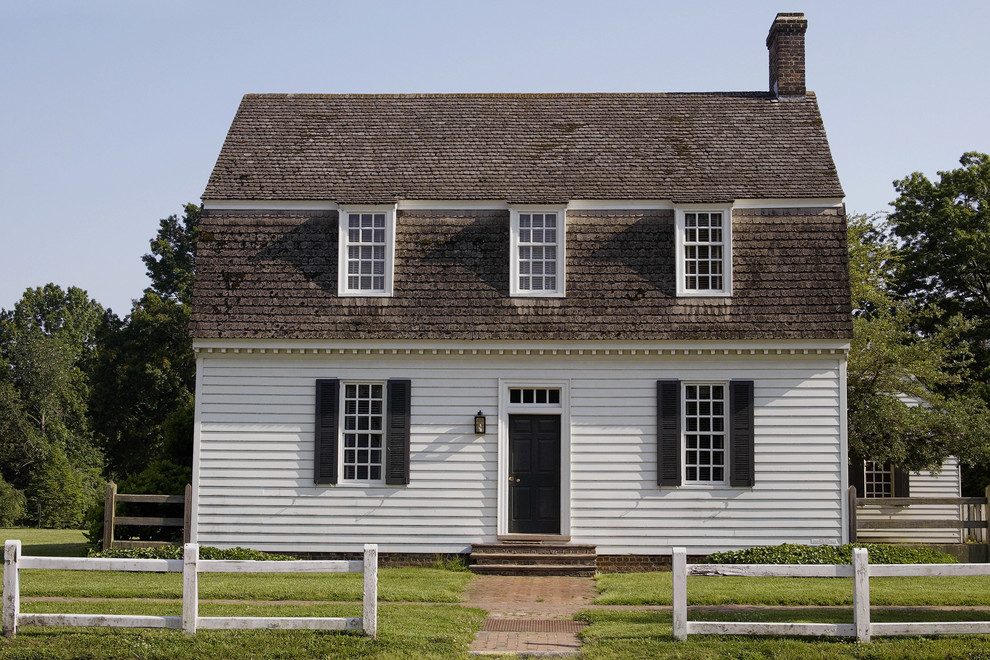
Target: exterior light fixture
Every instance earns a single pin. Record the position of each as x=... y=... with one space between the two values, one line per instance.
x=479 y=423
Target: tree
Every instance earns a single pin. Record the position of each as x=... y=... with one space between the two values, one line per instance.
x=908 y=398
x=944 y=259
x=172 y=262
x=47 y=343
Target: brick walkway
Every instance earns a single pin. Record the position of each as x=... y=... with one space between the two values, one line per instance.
x=529 y=602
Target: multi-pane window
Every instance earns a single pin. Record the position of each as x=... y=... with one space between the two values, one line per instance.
x=363 y=433
x=878 y=479
x=366 y=252
x=537 y=251
x=704 y=433
x=534 y=395
x=704 y=251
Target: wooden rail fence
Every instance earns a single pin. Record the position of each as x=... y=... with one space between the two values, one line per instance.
x=112 y=520
x=860 y=570
x=974 y=517
x=190 y=567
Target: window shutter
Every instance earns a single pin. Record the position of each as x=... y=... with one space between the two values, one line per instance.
x=669 y=432
x=741 y=435
x=857 y=476
x=397 y=436
x=902 y=483
x=325 y=450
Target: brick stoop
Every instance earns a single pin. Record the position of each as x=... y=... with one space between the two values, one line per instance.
x=533 y=559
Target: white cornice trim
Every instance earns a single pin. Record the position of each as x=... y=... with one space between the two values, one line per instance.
x=798 y=202
x=563 y=348
x=497 y=205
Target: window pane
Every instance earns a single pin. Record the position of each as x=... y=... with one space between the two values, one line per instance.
x=704 y=438
x=363 y=457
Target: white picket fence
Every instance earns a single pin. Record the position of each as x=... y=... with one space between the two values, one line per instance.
x=860 y=570
x=190 y=567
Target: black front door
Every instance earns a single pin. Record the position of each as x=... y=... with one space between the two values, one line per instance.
x=534 y=474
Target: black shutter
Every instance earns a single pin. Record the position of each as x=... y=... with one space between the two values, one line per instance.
x=857 y=476
x=741 y=435
x=397 y=435
x=325 y=449
x=669 y=432
x=902 y=483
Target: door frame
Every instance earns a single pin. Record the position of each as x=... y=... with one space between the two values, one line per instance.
x=564 y=411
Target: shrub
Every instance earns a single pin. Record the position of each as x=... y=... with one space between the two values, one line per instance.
x=788 y=553
x=175 y=552
x=12 y=504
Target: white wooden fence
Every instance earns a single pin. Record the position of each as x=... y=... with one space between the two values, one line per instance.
x=190 y=567
x=860 y=570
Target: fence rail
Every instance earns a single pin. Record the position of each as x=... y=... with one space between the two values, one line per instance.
x=190 y=566
x=860 y=570
x=973 y=517
x=111 y=520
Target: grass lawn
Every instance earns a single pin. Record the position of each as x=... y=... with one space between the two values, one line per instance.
x=404 y=631
x=47 y=542
x=647 y=635
x=655 y=589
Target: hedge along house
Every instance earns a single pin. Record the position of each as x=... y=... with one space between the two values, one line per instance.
x=436 y=321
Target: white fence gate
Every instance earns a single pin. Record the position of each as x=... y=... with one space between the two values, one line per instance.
x=860 y=570
x=190 y=567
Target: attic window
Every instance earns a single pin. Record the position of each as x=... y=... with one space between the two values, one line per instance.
x=537 y=252
x=704 y=246
x=366 y=251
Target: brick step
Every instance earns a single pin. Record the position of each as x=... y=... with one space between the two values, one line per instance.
x=532 y=549
x=534 y=569
x=535 y=558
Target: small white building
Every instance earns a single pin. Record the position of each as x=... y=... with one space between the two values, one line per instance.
x=434 y=321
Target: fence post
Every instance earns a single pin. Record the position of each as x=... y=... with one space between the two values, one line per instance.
x=861 y=594
x=852 y=514
x=109 y=511
x=190 y=587
x=11 y=587
x=986 y=516
x=678 y=567
x=187 y=515
x=369 y=620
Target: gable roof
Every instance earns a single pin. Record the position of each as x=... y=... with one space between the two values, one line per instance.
x=524 y=148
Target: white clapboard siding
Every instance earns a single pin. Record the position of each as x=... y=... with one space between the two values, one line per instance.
x=947 y=483
x=255 y=485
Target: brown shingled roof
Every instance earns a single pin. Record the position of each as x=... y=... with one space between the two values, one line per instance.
x=524 y=148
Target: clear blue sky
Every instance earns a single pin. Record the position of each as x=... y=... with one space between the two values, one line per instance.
x=112 y=113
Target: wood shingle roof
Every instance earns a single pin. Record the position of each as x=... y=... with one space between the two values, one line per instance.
x=524 y=148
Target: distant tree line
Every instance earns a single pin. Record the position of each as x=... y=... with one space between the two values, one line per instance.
x=86 y=396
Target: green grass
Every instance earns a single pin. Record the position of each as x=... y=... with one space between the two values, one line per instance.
x=655 y=589
x=640 y=635
x=404 y=631
x=47 y=542
x=428 y=585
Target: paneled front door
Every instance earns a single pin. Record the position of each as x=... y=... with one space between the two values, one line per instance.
x=534 y=474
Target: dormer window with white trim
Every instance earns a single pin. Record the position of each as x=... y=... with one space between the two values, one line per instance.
x=537 y=252
x=366 y=251
x=704 y=251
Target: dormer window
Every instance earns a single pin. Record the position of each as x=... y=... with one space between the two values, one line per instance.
x=704 y=264
x=366 y=251
x=537 y=252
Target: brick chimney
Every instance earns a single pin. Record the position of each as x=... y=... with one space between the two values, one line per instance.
x=786 y=45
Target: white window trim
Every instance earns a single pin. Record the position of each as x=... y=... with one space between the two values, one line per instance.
x=680 y=231
x=724 y=482
x=341 y=431
x=342 y=288
x=514 y=289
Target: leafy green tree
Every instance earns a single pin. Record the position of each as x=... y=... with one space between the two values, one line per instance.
x=171 y=264
x=944 y=260
x=908 y=397
x=62 y=492
x=12 y=504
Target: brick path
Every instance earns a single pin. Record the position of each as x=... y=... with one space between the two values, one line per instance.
x=525 y=599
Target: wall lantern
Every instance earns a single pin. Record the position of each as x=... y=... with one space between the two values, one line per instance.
x=479 y=423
